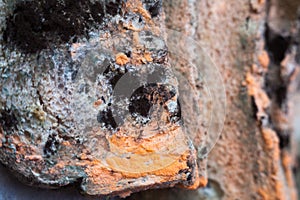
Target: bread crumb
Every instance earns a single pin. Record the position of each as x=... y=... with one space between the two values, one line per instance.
x=122 y=59
x=148 y=57
x=264 y=59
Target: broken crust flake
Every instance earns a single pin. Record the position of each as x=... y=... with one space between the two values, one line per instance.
x=264 y=59
x=261 y=99
x=164 y=160
x=132 y=165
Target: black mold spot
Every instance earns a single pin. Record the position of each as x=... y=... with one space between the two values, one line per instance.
x=113 y=75
x=103 y=99
x=35 y=24
x=115 y=78
x=51 y=145
x=254 y=107
x=189 y=178
x=190 y=165
x=140 y=102
x=8 y=120
x=284 y=139
x=176 y=115
x=154 y=7
x=186 y=171
x=113 y=7
x=145 y=97
x=277 y=45
x=281 y=95
x=106 y=119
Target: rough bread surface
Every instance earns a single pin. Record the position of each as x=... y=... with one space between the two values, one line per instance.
x=91 y=98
